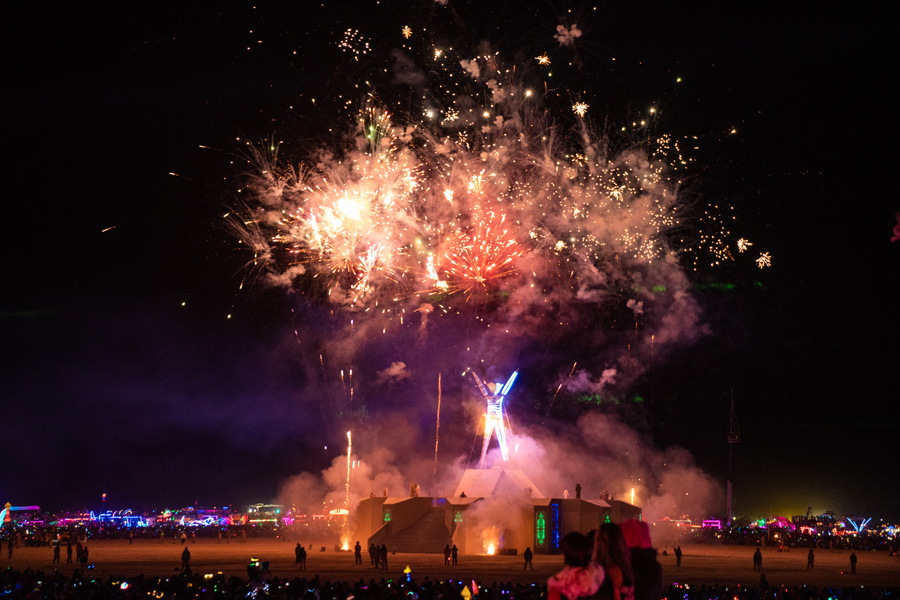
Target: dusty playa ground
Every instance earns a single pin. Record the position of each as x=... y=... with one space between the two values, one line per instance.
x=701 y=564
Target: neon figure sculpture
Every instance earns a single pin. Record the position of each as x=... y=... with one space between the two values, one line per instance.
x=493 y=415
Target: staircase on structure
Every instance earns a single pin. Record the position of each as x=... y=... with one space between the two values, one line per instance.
x=428 y=535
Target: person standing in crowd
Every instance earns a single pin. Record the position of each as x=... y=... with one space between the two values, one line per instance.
x=373 y=554
x=297 y=550
x=678 y=556
x=810 y=559
x=185 y=559
x=382 y=555
x=357 y=553
x=612 y=554
x=853 y=563
x=447 y=553
x=644 y=565
x=69 y=550
x=528 y=555
x=581 y=577
x=84 y=558
x=56 y=550
x=757 y=561
x=454 y=555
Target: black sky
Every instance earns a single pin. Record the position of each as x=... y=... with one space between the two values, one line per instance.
x=126 y=119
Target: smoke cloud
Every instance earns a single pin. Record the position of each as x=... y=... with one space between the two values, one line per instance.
x=599 y=452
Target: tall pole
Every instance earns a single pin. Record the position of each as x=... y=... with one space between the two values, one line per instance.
x=734 y=437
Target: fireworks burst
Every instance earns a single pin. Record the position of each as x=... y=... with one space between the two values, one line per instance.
x=415 y=213
x=472 y=198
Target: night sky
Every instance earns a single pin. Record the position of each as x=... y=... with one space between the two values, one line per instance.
x=133 y=363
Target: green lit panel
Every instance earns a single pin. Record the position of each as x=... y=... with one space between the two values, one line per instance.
x=541 y=529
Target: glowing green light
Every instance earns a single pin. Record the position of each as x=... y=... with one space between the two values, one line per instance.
x=457 y=518
x=387 y=516
x=541 y=529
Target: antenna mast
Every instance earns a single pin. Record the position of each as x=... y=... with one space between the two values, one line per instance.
x=734 y=437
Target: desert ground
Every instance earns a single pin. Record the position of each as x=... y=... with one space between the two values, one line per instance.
x=701 y=564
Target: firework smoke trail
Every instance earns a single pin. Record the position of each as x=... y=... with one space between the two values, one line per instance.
x=437 y=426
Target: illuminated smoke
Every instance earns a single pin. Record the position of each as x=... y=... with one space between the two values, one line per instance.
x=599 y=452
x=567 y=36
x=394 y=373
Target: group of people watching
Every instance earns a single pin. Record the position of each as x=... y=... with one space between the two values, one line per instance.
x=378 y=555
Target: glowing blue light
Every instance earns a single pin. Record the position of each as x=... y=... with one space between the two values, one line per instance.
x=862 y=524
